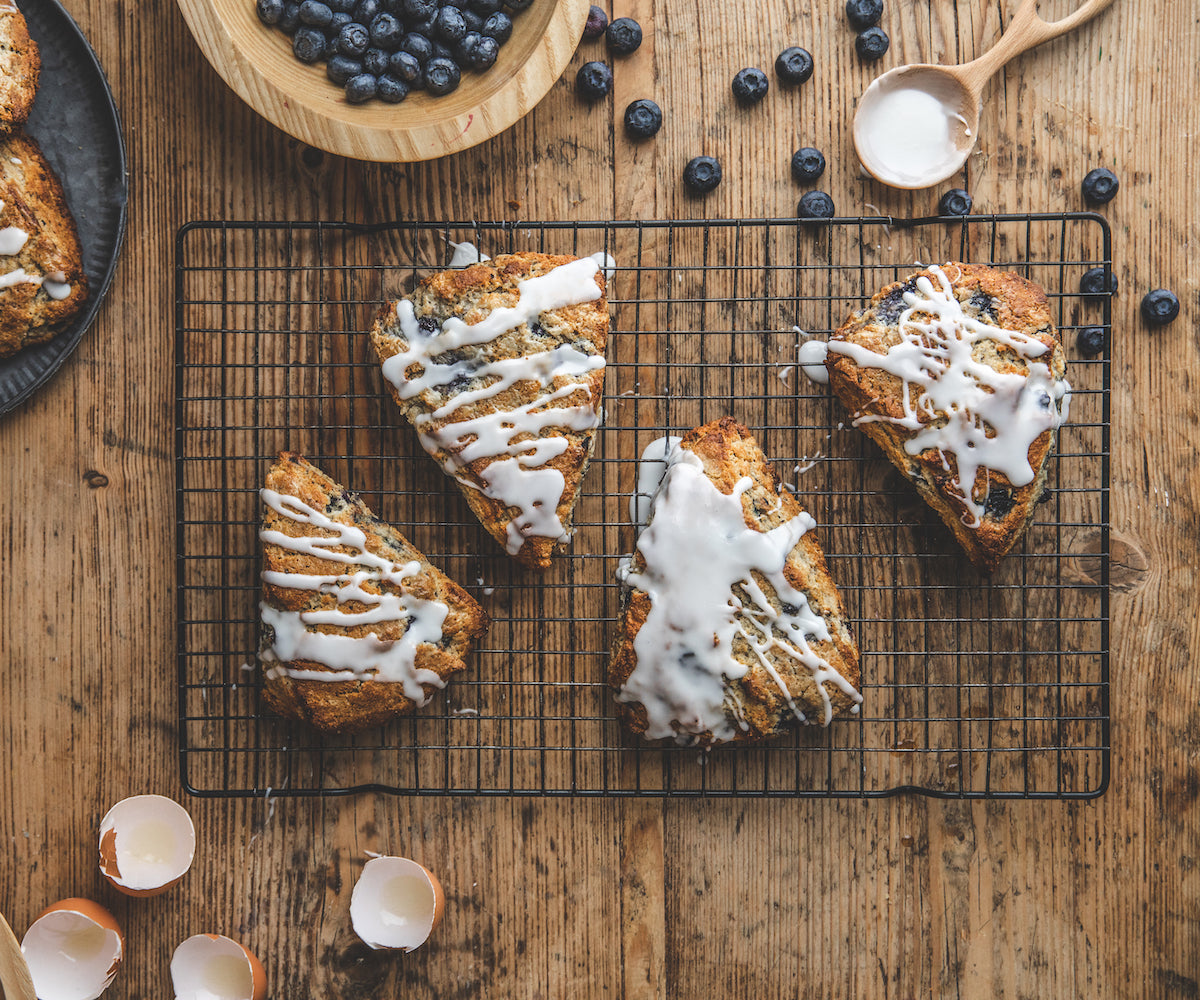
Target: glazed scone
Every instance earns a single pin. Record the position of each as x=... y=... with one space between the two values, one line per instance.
x=42 y=284
x=20 y=67
x=732 y=627
x=500 y=369
x=957 y=374
x=357 y=625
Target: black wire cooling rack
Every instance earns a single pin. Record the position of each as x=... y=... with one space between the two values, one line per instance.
x=973 y=686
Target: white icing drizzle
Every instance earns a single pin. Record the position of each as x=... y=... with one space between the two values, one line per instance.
x=348 y=657
x=520 y=479
x=466 y=254
x=12 y=239
x=697 y=549
x=56 y=289
x=962 y=408
x=607 y=264
x=811 y=357
x=651 y=468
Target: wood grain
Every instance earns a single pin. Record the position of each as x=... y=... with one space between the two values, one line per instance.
x=592 y=899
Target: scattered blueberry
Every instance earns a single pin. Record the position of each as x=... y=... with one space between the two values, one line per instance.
x=863 y=13
x=597 y=21
x=702 y=174
x=623 y=36
x=315 y=13
x=815 y=205
x=308 y=44
x=1094 y=286
x=360 y=88
x=404 y=67
x=486 y=51
x=441 y=76
x=642 y=119
x=1091 y=341
x=1100 y=186
x=594 y=80
x=871 y=44
x=353 y=40
x=807 y=165
x=1160 y=307
x=270 y=11
x=750 y=85
x=498 y=26
x=289 y=20
x=339 y=69
x=449 y=26
x=794 y=65
x=386 y=31
x=418 y=46
x=376 y=62
x=956 y=201
x=391 y=90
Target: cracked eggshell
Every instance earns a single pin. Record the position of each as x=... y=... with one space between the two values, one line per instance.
x=73 y=950
x=214 y=967
x=396 y=904
x=147 y=843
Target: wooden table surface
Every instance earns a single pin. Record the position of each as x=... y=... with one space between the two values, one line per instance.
x=899 y=898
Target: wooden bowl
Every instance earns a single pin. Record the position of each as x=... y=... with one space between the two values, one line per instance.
x=257 y=62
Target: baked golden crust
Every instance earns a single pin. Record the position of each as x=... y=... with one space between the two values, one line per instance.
x=33 y=201
x=472 y=293
x=730 y=453
x=20 y=68
x=349 y=706
x=1002 y=299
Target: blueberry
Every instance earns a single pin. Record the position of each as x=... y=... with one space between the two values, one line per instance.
x=516 y=5
x=449 y=26
x=597 y=21
x=289 y=20
x=386 y=31
x=485 y=8
x=999 y=502
x=419 y=46
x=404 y=67
x=335 y=26
x=794 y=65
x=1094 y=286
x=443 y=51
x=391 y=90
x=366 y=10
x=315 y=13
x=341 y=6
x=1091 y=340
x=863 y=13
x=473 y=21
x=464 y=48
x=361 y=88
x=750 y=85
x=956 y=201
x=702 y=174
x=376 y=62
x=1100 y=186
x=815 y=205
x=486 y=51
x=1160 y=307
x=498 y=26
x=871 y=44
x=418 y=10
x=353 y=40
x=423 y=27
x=308 y=44
x=441 y=76
x=642 y=119
x=270 y=11
x=339 y=69
x=593 y=81
x=807 y=165
x=623 y=36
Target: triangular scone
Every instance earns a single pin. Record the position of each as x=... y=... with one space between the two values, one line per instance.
x=20 y=68
x=732 y=627
x=358 y=627
x=957 y=374
x=500 y=369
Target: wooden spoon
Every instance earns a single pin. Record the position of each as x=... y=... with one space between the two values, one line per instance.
x=14 y=973
x=916 y=125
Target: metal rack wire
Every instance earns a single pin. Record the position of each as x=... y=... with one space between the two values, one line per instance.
x=973 y=686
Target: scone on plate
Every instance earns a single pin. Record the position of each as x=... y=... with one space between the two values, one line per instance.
x=732 y=627
x=499 y=367
x=20 y=67
x=357 y=625
x=957 y=374
x=42 y=284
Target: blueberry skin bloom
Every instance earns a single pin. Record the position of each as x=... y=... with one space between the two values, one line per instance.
x=956 y=201
x=750 y=85
x=642 y=119
x=1160 y=307
x=308 y=44
x=702 y=174
x=623 y=36
x=441 y=76
x=1093 y=285
x=815 y=205
x=597 y=22
x=794 y=65
x=1091 y=341
x=594 y=80
x=807 y=165
x=872 y=44
x=360 y=88
x=1100 y=186
x=863 y=13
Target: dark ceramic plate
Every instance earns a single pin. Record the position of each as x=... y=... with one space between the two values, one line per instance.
x=76 y=123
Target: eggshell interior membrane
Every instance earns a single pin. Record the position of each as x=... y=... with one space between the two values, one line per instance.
x=396 y=903
x=73 y=950
x=213 y=967
x=147 y=843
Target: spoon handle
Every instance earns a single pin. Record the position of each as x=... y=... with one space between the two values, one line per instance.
x=1026 y=30
x=14 y=973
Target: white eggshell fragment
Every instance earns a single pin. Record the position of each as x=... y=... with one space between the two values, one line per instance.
x=147 y=843
x=396 y=904
x=214 y=967
x=73 y=950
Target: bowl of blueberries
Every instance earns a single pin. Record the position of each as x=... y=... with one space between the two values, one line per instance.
x=389 y=80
